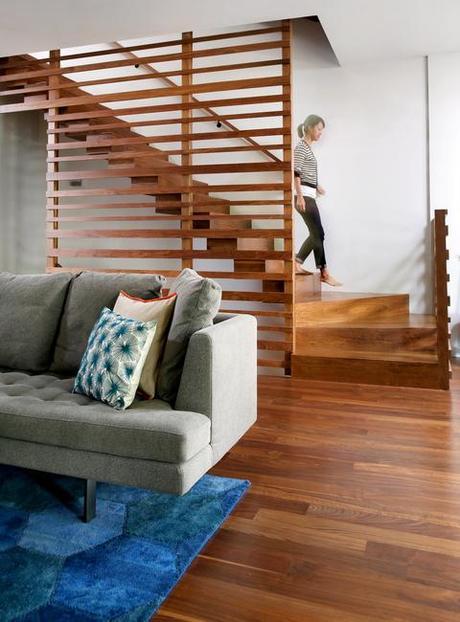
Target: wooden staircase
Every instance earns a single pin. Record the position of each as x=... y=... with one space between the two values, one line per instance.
x=373 y=338
x=364 y=338
x=369 y=338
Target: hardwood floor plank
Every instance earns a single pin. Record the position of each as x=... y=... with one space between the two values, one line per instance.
x=353 y=514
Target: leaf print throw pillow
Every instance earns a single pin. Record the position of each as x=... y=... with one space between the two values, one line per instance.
x=112 y=364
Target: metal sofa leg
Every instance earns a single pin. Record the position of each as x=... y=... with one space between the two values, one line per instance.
x=90 y=500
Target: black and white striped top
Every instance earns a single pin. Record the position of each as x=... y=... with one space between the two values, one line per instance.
x=305 y=165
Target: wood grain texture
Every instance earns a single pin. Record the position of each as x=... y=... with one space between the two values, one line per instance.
x=79 y=68
x=92 y=141
x=353 y=514
x=414 y=334
x=211 y=87
x=105 y=157
x=372 y=338
x=99 y=113
x=376 y=367
x=333 y=307
x=74 y=128
x=159 y=44
x=441 y=301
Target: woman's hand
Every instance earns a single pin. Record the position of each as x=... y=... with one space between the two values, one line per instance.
x=300 y=203
x=320 y=190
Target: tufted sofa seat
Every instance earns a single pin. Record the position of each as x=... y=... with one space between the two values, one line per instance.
x=45 y=321
x=42 y=409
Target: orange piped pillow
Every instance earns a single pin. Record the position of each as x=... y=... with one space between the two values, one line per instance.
x=159 y=309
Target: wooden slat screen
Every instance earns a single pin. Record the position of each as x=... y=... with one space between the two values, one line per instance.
x=173 y=154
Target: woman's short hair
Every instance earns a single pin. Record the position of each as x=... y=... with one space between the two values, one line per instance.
x=310 y=121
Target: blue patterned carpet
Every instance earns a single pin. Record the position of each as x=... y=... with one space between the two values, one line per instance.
x=120 y=566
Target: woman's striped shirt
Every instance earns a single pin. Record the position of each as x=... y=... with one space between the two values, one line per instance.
x=305 y=165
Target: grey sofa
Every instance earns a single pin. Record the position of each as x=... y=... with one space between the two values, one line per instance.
x=154 y=444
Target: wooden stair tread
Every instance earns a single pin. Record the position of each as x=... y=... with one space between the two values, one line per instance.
x=328 y=296
x=331 y=353
x=337 y=307
x=414 y=320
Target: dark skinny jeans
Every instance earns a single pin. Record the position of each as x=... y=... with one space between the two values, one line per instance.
x=315 y=241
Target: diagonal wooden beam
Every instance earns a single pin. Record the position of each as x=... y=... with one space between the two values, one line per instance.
x=212 y=113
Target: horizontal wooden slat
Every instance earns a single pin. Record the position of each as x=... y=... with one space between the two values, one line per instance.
x=212 y=87
x=168 y=254
x=82 y=129
x=156 y=45
x=260 y=313
x=167 y=233
x=129 y=62
x=274 y=297
x=219 y=275
x=44 y=88
x=155 y=189
x=166 y=138
x=173 y=204
x=169 y=152
x=200 y=169
x=134 y=110
x=159 y=218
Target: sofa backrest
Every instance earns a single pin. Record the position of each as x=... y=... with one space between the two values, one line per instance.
x=30 y=308
x=88 y=294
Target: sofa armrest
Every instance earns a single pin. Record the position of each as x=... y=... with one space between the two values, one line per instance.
x=219 y=379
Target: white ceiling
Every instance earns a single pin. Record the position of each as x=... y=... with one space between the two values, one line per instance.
x=358 y=30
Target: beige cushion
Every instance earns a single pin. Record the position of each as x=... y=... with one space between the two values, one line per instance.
x=159 y=309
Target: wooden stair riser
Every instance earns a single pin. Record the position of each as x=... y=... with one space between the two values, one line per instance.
x=135 y=181
x=97 y=148
x=125 y=163
x=273 y=286
x=174 y=198
x=307 y=284
x=367 y=338
x=221 y=244
x=255 y=244
x=224 y=225
x=275 y=265
x=364 y=371
x=29 y=99
x=242 y=265
x=352 y=309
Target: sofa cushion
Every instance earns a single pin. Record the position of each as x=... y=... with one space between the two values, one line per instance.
x=112 y=364
x=88 y=294
x=30 y=308
x=160 y=310
x=42 y=409
x=197 y=303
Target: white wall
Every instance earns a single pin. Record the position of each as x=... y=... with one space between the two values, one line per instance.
x=444 y=80
x=372 y=162
x=22 y=192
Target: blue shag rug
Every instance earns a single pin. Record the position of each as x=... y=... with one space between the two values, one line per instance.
x=119 y=567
